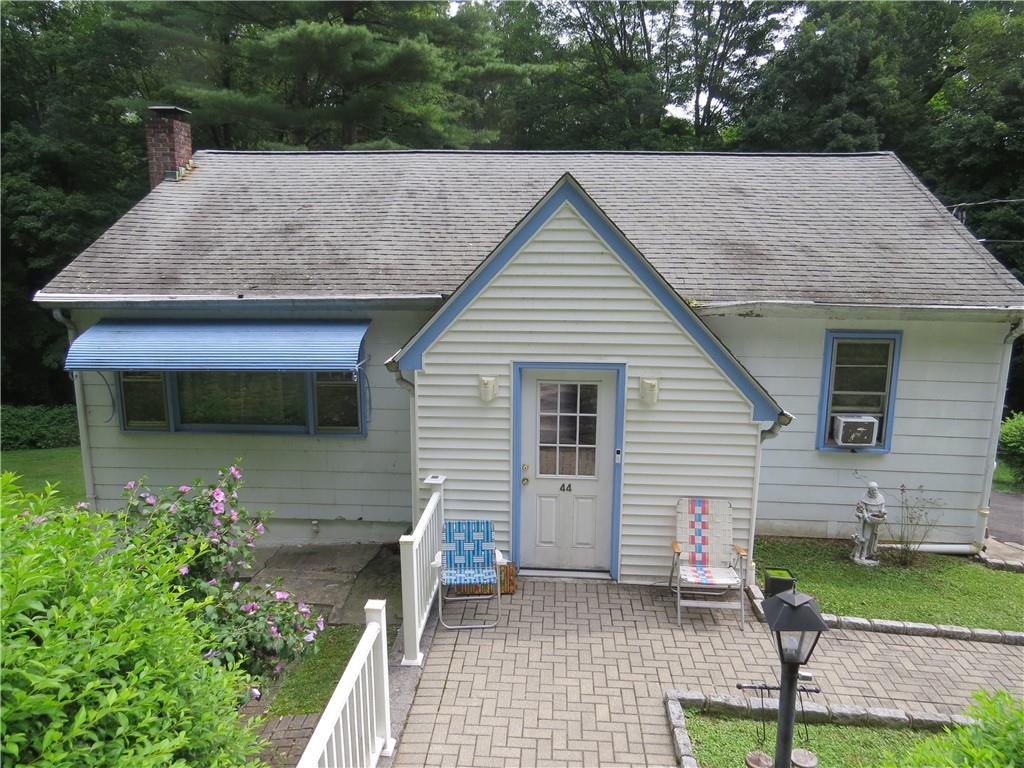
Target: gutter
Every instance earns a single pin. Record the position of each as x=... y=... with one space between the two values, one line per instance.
x=80 y=409
x=791 y=308
x=240 y=301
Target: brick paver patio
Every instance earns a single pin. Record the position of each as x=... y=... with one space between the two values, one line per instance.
x=579 y=672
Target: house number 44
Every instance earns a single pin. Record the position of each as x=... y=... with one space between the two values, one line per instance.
x=566 y=487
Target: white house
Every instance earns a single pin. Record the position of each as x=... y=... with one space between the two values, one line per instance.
x=575 y=339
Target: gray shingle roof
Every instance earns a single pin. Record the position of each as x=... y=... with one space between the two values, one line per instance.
x=841 y=229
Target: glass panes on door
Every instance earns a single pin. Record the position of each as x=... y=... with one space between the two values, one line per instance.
x=567 y=437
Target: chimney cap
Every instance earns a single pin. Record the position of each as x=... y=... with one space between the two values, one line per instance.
x=169 y=111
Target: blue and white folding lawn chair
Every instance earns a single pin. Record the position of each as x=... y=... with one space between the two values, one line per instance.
x=468 y=557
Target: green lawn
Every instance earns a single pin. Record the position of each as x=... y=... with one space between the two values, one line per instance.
x=939 y=589
x=306 y=687
x=1003 y=480
x=56 y=465
x=722 y=742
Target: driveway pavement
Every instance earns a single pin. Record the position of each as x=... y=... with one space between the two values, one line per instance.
x=577 y=675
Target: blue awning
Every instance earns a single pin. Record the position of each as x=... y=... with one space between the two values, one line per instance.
x=121 y=345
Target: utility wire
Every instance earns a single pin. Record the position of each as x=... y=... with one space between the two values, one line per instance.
x=996 y=201
x=959 y=212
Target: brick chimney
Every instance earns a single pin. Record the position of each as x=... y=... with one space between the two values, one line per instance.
x=168 y=143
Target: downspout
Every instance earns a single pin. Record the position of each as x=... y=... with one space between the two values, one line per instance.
x=782 y=420
x=981 y=525
x=83 y=425
x=410 y=388
x=941 y=549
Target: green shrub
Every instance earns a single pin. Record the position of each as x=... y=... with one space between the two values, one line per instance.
x=102 y=652
x=995 y=741
x=38 y=426
x=260 y=626
x=1011 y=444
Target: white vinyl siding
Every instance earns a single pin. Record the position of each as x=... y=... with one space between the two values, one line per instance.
x=946 y=393
x=565 y=297
x=357 y=487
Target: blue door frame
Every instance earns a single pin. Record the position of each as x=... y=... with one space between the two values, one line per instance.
x=517 y=446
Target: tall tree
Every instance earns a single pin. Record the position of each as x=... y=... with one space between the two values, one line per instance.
x=595 y=80
x=976 y=129
x=854 y=76
x=73 y=161
x=717 y=52
x=307 y=74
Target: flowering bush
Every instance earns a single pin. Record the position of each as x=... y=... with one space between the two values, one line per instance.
x=102 y=660
x=261 y=626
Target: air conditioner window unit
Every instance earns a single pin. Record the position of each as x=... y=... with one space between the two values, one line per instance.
x=853 y=431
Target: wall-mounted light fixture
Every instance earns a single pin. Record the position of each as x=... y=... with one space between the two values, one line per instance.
x=488 y=388
x=649 y=389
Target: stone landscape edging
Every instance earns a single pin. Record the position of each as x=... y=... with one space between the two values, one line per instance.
x=839 y=714
x=893 y=627
x=999 y=563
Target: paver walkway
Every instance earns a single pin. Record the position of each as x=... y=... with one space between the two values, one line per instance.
x=579 y=672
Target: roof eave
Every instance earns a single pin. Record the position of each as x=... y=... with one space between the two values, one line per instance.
x=221 y=302
x=849 y=311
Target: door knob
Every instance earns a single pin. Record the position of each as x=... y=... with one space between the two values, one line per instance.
x=526 y=481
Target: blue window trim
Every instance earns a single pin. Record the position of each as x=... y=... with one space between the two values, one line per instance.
x=517 y=447
x=173 y=411
x=896 y=337
x=567 y=190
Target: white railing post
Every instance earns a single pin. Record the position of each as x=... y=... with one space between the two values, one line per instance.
x=376 y=613
x=419 y=578
x=355 y=727
x=410 y=611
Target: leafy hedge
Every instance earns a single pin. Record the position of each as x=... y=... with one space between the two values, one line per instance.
x=1011 y=444
x=996 y=740
x=38 y=426
x=103 y=653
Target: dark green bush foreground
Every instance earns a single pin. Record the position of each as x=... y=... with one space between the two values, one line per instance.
x=38 y=426
x=103 y=656
x=996 y=740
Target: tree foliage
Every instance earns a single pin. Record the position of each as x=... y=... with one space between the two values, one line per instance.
x=941 y=84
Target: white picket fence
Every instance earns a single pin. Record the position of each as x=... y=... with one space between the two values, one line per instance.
x=355 y=728
x=419 y=578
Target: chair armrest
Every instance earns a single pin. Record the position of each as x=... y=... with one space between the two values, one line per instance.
x=677 y=547
x=436 y=562
x=740 y=551
x=499 y=558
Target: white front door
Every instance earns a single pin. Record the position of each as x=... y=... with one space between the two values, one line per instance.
x=567 y=437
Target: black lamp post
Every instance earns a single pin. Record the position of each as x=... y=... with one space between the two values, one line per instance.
x=794 y=619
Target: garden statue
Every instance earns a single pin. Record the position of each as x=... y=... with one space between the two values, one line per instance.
x=871 y=513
